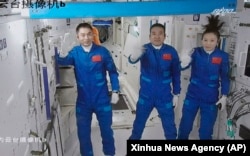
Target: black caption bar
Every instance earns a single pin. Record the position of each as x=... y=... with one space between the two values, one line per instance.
x=162 y=147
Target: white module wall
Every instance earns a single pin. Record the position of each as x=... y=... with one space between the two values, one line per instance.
x=242 y=47
x=15 y=84
x=239 y=98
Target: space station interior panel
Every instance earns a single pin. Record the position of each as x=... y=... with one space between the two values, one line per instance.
x=15 y=85
x=38 y=97
x=235 y=120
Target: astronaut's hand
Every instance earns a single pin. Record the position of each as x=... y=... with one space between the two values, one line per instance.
x=138 y=51
x=175 y=101
x=185 y=60
x=114 y=97
x=65 y=45
x=221 y=104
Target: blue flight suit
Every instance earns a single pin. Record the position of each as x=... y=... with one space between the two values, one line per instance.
x=208 y=73
x=93 y=94
x=160 y=72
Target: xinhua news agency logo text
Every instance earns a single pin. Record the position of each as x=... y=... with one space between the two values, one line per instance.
x=37 y=4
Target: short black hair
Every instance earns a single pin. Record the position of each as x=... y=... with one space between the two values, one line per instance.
x=83 y=25
x=157 y=25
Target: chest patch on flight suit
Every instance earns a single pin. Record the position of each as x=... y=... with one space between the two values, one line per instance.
x=166 y=56
x=216 y=60
x=96 y=58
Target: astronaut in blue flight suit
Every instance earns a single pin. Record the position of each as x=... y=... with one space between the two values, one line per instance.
x=91 y=62
x=209 y=71
x=160 y=72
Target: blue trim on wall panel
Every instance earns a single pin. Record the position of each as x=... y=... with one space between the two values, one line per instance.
x=129 y=9
x=46 y=92
x=57 y=73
